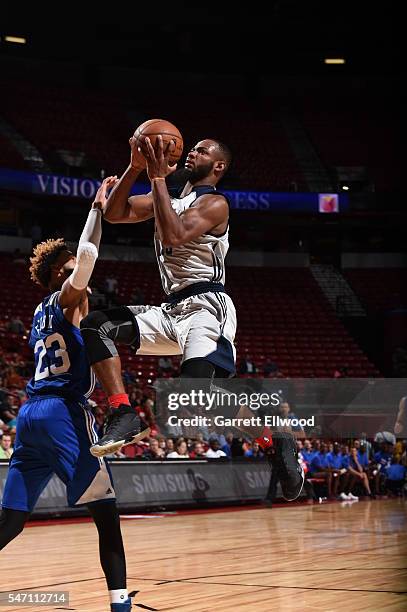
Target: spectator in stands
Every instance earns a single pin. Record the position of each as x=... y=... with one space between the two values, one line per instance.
x=6 y=447
x=338 y=471
x=233 y=447
x=319 y=468
x=165 y=365
x=284 y=410
x=146 y=412
x=8 y=413
x=214 y=451
x=96 y=298
x=363 y=456
x=16 y=326
x=153 y=451
x=307 y=452
x=198 y=451
x=341 y=372
x=357 y=475
x=13 y=378
x=111 y=287
x=271 y=370
x=181 y=451
x=381 y=459
x=254 y=452
x=169 y=446
x=247 y=366
x=395 y=477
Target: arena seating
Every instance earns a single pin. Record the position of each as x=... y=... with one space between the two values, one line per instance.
x=77 y=120
x=9 y=156
x=379 y=288
x=345 y=131
x=282 y=317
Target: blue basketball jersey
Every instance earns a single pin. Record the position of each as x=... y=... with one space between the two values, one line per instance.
x=61 y=364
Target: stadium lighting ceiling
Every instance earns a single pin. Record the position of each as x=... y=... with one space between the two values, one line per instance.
x=20 y=40
x=334 y=60
x=345 y=187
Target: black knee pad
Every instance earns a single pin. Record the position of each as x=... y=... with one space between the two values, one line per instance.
x=100 y=330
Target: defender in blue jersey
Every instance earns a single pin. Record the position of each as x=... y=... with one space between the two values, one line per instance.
x=55 y=428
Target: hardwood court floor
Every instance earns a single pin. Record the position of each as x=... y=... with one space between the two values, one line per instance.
x=320 y=558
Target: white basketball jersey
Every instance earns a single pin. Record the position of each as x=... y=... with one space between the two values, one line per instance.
x=201 y=260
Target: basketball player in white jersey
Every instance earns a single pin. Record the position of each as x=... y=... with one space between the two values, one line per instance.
x=197 y=319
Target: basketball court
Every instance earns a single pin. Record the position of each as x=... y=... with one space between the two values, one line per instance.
x=293 y=557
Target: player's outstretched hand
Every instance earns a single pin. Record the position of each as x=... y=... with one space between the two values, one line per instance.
x=101 y=195
x=157 y=159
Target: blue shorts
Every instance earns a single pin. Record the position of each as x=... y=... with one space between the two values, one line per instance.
x=53 y=437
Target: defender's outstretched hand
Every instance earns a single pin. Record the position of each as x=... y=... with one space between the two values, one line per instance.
x=101 y=195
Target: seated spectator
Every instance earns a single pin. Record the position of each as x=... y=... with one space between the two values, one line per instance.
x=153 y=451
x=319 y=468
x=395 y=477
x=247 y=366
x=214 y=451
x=146 y=412
x=233 y=447
x=381 y=460
x=198 y=451
x=271 y=370
x=284 y=410
x=307 y=452
x=165 y=365
x=169 y=446
x=8 y=413
x=341 y=372
x=6 y=446
x=339 y=472
x=111 y=288
x=357 y=474
x=255 y=452
x=181 y=451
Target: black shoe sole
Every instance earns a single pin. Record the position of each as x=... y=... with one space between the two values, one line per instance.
x=100 y=450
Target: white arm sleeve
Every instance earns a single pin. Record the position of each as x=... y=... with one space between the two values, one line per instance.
x=87 y=253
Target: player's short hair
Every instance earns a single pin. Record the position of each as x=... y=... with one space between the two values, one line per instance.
x=44 y=256
x=225 y=152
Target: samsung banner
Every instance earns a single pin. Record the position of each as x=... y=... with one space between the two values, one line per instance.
x=63 y=186
x=143 y=484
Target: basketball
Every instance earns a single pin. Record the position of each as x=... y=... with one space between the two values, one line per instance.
x=153 y=128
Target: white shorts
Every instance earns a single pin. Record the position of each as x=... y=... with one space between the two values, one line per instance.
x=201 y=326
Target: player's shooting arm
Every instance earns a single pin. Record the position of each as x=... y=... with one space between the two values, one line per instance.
x=209 y=215
x=119 y=206
x=73 y=290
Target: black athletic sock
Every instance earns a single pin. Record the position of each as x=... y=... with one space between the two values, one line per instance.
x=112 y=559
x=11 y=524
